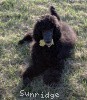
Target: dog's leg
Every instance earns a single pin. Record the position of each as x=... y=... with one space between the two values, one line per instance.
x=32 y=72
x=53 y=75
x=27 y=38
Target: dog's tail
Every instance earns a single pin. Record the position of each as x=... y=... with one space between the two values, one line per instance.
x=53 y=12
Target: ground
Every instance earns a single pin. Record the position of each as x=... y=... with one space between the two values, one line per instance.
x=18 y=17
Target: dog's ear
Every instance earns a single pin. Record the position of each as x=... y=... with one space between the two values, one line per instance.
x=53 y=12
x=37 y=35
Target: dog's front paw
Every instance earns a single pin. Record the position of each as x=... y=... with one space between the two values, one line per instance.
x=20 y=42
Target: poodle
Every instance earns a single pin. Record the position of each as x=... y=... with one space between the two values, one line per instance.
x=54 y=41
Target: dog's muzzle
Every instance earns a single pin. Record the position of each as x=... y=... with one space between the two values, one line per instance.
x=50 y=43
x=48 y=37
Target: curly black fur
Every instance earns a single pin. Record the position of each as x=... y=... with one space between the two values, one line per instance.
x=49 y=59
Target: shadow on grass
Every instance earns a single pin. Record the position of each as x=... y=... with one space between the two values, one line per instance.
x=1 y=50
x=2 y=91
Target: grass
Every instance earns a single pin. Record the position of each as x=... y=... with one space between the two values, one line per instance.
x=18 y=17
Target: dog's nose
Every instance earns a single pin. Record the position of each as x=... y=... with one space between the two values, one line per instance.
x=48 y=41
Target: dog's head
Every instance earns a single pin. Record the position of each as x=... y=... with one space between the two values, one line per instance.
x=47 y=29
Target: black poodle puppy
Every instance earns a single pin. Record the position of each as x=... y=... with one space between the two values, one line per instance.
x=54 y=41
